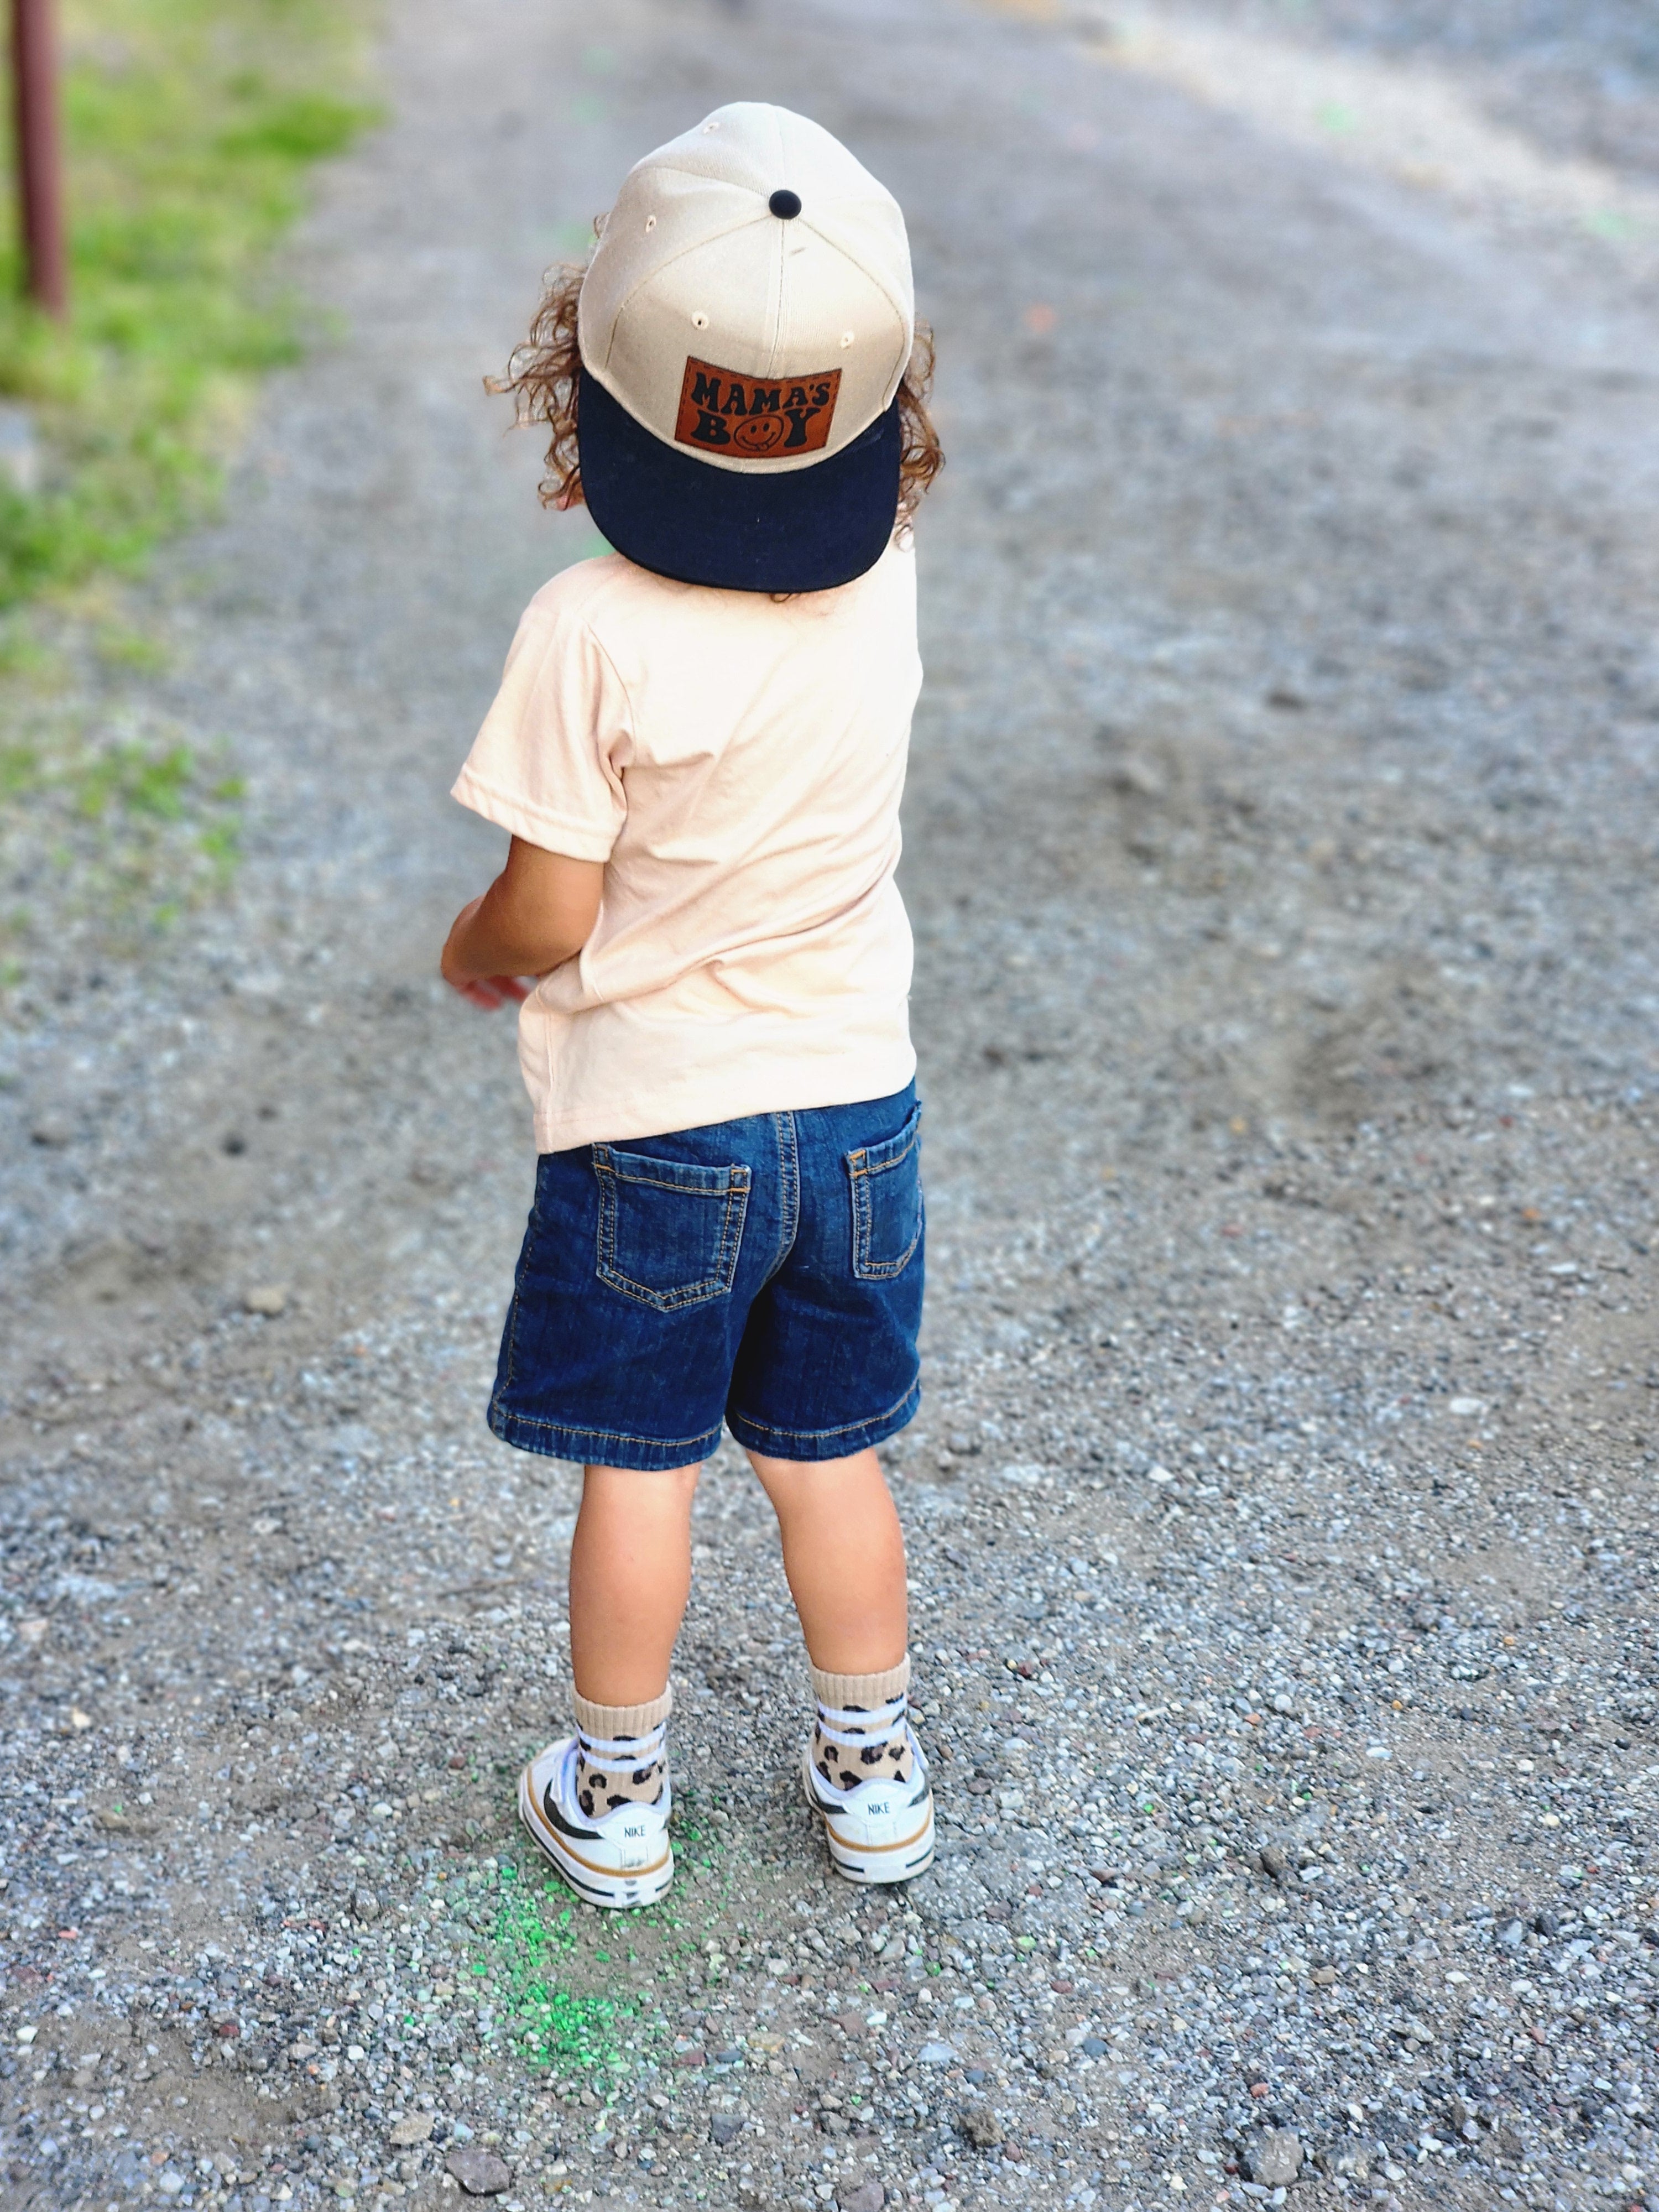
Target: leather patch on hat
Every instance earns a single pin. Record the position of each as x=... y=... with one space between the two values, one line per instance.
x=753 y=418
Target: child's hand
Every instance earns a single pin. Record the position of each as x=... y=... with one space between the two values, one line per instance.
x=492 y=991
x=538 y=914
x=489 y=992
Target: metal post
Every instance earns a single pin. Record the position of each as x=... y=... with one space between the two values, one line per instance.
x=39 y=153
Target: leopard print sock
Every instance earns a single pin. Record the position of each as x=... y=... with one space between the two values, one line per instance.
x=622 y=1754
x=862 y=1732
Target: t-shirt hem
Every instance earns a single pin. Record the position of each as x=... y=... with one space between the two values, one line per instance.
x=847 y=1080
x=552 y=833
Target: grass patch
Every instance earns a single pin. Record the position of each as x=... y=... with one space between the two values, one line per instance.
x=190 y=124
x=110 y=836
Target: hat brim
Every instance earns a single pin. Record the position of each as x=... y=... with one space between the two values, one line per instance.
x=807 y=530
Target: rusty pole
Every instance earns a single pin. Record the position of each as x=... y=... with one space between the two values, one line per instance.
x=39 y=153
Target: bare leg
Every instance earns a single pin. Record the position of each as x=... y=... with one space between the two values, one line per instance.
x=630 y=1575
x=843 y=1552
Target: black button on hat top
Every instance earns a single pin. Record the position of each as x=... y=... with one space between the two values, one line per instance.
x=784 y=205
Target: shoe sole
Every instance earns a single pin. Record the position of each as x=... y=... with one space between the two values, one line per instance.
x=611 y=1890
x=874 y=1863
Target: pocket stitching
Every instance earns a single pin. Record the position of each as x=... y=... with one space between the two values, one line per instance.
x=859 y=1168
x=716 y=1286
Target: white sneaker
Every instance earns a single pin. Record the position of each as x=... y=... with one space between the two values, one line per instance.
x=880 y=1832
x=617 y=1859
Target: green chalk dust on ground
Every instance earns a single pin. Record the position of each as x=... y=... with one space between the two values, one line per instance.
x=530 y=1948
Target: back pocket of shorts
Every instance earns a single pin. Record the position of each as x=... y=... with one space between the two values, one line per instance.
x=887 y=1214
x=668 y=1231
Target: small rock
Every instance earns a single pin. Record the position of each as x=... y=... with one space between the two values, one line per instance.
x=978 y=2123
x=414 y=2128
x=1274 y=2157
x=1351 y=2158
x=861 y=2196
x=936 y=2054
x=1467 y=1409
x=725 y=2128
x=1511 y=1936
x=32 y=1632
x=367 y=1906
x=480 y=2173
x=1135 y=777
x=52 y=1130
x=20 y=449
x=269 y=1299
x=1274 y=1862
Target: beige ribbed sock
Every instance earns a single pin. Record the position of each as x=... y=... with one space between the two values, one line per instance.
x=621 y=1755
x=613 y=1722
x=861 y=1732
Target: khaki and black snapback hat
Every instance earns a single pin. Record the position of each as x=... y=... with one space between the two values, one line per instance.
x=745 y=323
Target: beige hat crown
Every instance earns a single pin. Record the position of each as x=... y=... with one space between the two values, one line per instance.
x=731 y=326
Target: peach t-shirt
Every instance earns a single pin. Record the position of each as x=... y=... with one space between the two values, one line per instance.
x=737 y=762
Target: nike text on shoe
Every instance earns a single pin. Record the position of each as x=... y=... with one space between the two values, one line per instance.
x=617 y=1860
x=881 y=1830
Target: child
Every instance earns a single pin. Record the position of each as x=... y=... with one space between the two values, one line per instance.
x=698 y=749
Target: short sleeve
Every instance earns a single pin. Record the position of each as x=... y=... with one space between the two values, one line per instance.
x=547 y=763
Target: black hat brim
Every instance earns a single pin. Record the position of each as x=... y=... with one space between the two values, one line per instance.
x=807 y=530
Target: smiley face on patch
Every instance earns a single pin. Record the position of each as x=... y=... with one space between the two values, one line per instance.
x=759 y=433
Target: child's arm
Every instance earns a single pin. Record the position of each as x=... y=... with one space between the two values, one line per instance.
x=538 y=914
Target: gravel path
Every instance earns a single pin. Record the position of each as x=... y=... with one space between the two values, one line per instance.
x=1282 y=1508
x=1579 y=81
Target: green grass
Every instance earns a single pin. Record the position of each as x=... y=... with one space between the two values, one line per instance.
x=189 y=126
x=114 y=836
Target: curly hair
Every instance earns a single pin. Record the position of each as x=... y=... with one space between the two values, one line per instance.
x=544 y=372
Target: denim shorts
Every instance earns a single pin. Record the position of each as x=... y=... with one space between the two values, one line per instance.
x=767 y=1273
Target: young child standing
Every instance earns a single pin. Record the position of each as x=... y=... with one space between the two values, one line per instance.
x=698 y=750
